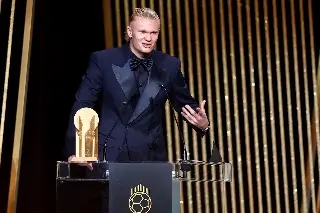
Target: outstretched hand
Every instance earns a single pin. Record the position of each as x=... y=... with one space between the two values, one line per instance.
x=197 y=118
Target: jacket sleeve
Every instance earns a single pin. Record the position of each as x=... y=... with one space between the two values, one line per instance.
x=180 y=95
x=86 y=96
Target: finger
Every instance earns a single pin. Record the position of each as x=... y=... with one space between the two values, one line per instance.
x=198 y=110
x=202 y=104
x=192 y=112
x=201 y=112
x=89 y=165
x=188 y=118
x=81 y=163
x=70 y=158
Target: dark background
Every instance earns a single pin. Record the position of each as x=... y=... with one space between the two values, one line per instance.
x=65 y=33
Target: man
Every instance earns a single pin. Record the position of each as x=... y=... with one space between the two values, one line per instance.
x=134 y=82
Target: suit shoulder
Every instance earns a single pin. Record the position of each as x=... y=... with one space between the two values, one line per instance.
x=103 y=58
x=166 y=58
x=106 y=52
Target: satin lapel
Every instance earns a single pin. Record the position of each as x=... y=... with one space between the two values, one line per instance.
x=125 y=78
x=150 y=91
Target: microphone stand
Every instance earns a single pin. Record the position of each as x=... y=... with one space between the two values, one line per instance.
x=184 y=164
x=176 y=121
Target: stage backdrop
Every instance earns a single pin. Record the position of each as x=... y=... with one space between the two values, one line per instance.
x=255 y=62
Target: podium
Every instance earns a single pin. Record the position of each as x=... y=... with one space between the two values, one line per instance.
x=130 y=187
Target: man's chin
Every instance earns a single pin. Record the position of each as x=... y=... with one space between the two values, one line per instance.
x=146 y=51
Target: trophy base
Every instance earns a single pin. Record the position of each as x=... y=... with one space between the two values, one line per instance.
x=84 y=159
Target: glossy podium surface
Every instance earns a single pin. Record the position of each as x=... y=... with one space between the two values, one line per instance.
x=132 y=187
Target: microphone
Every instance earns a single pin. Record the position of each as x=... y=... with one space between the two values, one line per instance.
x=179 y=129
x=215 y=155
x=126 y=104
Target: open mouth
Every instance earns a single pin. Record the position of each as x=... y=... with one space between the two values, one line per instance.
x=146 y=45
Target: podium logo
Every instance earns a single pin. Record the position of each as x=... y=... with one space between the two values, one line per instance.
x=140 y=201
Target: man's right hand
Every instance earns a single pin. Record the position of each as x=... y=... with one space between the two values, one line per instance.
x=82 y=163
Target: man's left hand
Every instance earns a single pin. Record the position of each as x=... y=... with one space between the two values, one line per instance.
x=197 y=118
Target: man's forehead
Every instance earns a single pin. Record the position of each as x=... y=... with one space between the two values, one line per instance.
x=145 y=22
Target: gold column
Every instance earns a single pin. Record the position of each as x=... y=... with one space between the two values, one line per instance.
x=192 y=90
x=209 y=104
x=245 y=106
x=298 y=107
x=227 y=98
x=310 y=159
x=171 y=40
x=316 y=92
x=152 y=4
x=289 y=102
x=167 y=109
x=218 y=102
x=6 y=76
x=235 y=105
x=118 y=21
x=196 y=46
x=282 y=125
x=0 y=13
x=143 y=3
x=21 y=104
x=107 y=18
x=272 y=111
x=263 y=117
x=126 y=15
x=179 y=152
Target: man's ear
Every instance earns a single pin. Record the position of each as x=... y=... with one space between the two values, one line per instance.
x=129 y=31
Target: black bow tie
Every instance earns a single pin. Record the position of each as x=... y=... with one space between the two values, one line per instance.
x=135 y=62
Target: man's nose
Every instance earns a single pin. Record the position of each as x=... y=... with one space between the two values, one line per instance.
x=148 y=37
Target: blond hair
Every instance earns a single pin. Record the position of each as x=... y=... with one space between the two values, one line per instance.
x=144 y=13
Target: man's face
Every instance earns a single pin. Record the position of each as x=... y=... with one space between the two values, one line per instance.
x=144 y=34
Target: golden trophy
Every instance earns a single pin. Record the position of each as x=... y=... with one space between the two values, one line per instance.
x=86 y=121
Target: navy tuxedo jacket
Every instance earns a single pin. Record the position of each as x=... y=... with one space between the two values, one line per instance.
x=134 y=134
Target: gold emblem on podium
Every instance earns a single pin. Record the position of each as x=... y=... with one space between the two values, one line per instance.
x=140 y=200
x=86 y=121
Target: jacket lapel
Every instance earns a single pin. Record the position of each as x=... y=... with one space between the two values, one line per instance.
x=151 y=90
x=125 y=78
